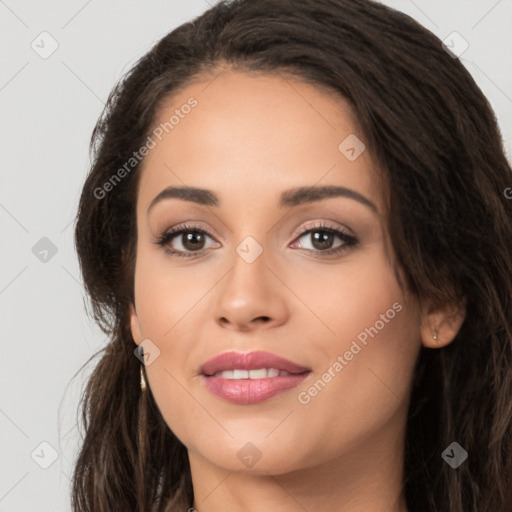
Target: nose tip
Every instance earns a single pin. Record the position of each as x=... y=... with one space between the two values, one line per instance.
x=246 y=327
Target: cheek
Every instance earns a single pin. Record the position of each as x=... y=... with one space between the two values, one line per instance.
x=353 y=299
x=365 y=385
x=369 y=343
x=167 y=296
x=169 y=302
x=166 y=305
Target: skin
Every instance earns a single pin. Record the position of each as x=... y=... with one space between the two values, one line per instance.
x=251 y=137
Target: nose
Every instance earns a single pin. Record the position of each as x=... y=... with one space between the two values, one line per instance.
x=252 y=296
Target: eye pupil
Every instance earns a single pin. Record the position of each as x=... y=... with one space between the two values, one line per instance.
x=191 y=237
x=323 y=238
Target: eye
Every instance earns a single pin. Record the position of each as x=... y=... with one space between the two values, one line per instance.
x=192 y=240
x=322 y=237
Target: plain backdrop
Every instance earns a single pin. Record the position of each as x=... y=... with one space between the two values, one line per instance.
x=49 y=105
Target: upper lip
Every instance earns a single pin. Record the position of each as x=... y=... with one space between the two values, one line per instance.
x=249 y=361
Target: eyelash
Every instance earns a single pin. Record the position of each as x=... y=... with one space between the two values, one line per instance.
x=170 y=234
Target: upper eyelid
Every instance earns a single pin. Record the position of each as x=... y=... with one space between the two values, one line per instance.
x=179 y=229
x=322 y=224
x=348 y=239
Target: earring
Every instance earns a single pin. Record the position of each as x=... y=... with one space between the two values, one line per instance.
x=435 y=335
x=142 y=380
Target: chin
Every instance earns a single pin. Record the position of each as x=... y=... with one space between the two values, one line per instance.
x=251 y=454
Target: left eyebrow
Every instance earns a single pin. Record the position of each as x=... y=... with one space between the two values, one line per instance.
x=302 y=195
x=288 y=198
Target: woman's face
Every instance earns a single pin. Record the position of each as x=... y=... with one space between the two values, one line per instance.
x=257 y=280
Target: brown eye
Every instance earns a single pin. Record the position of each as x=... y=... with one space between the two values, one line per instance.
x=321 y=240
x=192 y=240
x=183 y=240
x=323 y=237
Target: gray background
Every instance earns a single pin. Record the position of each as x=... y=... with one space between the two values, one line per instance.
x=48 y=109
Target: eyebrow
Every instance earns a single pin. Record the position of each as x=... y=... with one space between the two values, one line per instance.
x=288 y=199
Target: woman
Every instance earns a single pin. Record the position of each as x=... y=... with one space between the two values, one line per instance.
x=341 y=337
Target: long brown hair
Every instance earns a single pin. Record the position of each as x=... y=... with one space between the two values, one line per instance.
x=438 y=146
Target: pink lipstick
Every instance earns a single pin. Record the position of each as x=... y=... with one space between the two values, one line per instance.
x=251 y=377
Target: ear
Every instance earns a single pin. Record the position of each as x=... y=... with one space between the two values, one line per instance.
x=440 y=325
x=134 y=325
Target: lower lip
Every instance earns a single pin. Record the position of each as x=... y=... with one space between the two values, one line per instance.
x=251 y=391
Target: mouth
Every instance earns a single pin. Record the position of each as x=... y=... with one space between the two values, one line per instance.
x=251 y=377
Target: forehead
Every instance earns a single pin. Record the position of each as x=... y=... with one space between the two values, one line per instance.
x=252 y=135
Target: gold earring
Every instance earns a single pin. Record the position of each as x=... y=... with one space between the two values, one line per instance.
x=142 y=380
x=435 y=335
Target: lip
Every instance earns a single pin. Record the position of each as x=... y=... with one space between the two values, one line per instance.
x=249 y=361
x=250 y=391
